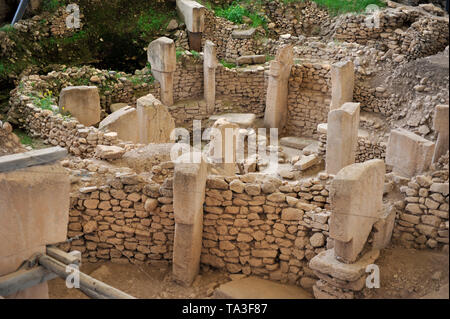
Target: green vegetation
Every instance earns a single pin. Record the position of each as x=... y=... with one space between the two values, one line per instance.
x=236 y=13
x=345 y=6
x=195 y=54
x=151 y=22
x=24 y=138
x=178 y=53
x=228 y=65
x=7 y=28
x=52 y=5
x=44 y=100
x=269 y=58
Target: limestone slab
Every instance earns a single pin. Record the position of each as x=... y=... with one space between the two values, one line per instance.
x=408 y=153
x=193 y=15
x=296 y=142
x=326 y=263
x=81 y=102
x=124 y=122
x=244 y=120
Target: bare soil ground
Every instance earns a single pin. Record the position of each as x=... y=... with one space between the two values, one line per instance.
x=405 y=273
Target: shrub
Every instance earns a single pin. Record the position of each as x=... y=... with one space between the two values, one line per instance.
x=346 y=6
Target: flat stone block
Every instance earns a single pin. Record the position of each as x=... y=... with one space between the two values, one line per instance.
x=31 y=158
x=244 y=120
x=82 y=102
x=326 y=263
x=296 y=142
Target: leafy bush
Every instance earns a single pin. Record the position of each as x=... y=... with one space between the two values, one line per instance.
x=233 y=13
x=44 y=101
x=236 y=13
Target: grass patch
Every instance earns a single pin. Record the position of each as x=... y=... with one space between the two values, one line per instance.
x=229 y=65
x=7 y=28
x=52 y=5
x=152 y=22
x=24 y=138
x=346 y=6
x=195 y=54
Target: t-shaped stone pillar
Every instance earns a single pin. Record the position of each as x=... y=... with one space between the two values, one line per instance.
x=357 y=203
x=342 y=137
x=209 y=75
x=409 y=154
x=193 y=15
x=342 y=83
x=277 y=91
x=440 y=125
x=189 y=182
x=162 y=58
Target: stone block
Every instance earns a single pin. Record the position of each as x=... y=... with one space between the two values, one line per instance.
x=193 y=15
x=408 y=153
x=326 y=263
x=124 y=122
x=82 y=102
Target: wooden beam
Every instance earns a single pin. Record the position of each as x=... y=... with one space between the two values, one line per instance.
x=62 y=256
x=86 y=281
x=23 y=279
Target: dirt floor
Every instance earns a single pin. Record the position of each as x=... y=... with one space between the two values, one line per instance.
x=405 y=273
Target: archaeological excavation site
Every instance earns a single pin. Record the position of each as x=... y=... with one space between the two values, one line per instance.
x=224 y=149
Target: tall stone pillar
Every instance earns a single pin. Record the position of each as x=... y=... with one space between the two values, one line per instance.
x=193 y=15
x=409 y=154
x=342 y=83
x=34 y=209
x=154 y=121
x=162 y=58
x=441 y=126
x=342 y=137
x=189 y=182
x=277 y=91
x=356 y=204
x=209 y=75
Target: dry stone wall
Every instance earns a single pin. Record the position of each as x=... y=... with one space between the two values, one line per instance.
x=367 y=148
x=309 y=98
x=264 y=228
x=119 y=215
x=422 y=215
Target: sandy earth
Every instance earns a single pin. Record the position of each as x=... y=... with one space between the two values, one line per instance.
x=405 y=273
